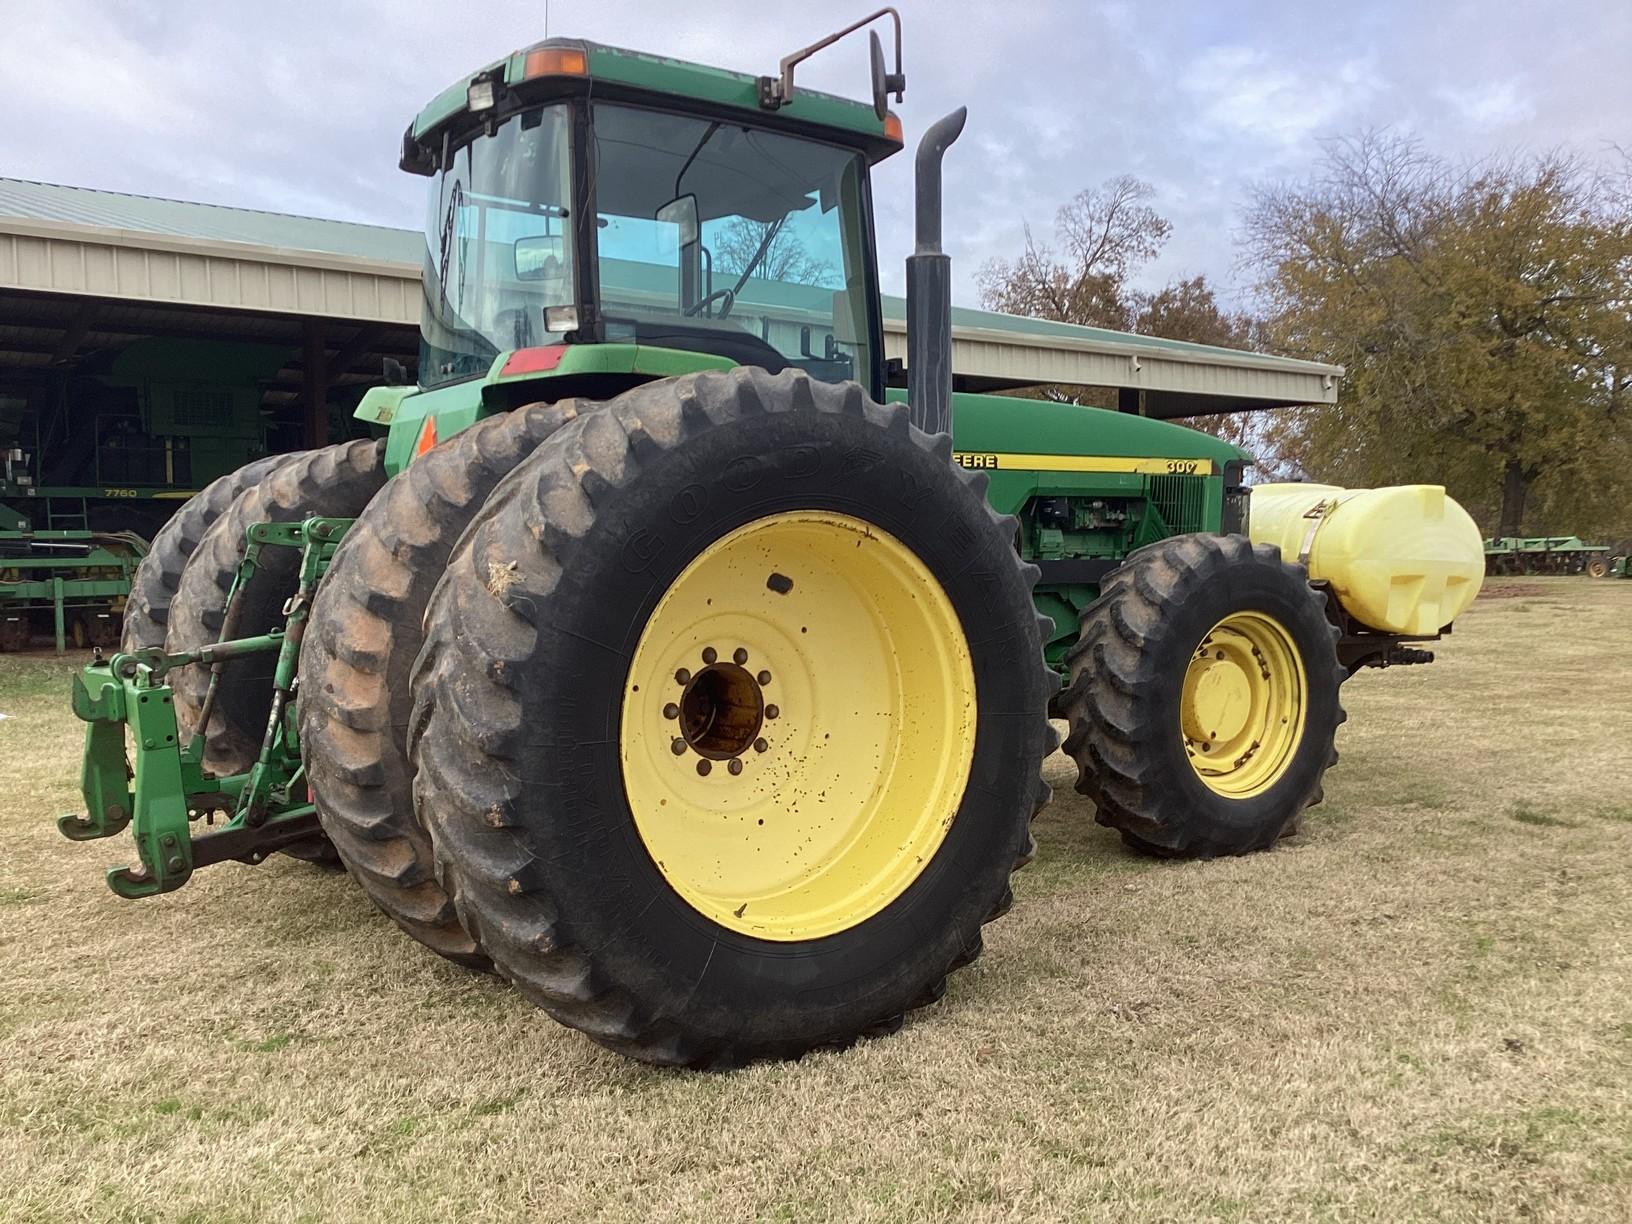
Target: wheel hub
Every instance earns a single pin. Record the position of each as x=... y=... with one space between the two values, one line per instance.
x=721 y=711
x=1218 y=703
x=1243 y=705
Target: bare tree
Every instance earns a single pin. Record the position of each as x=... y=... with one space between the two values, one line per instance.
x=1104 y=236
x=1101 y=237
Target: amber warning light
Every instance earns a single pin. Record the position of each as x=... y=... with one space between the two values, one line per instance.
x=555 y=61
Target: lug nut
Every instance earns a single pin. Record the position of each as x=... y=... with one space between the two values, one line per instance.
x=677 y=746
x=764 y=677
x=739 y=656
x=682 y=676
x=703 y=767
x=760 y=745
x=709 y=655
x=671 y=711
x=772 y=712
x=735 y=767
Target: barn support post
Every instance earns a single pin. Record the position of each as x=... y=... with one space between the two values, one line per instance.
x=315 y=384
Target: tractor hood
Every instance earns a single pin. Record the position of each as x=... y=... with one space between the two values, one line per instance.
x=1000 y=424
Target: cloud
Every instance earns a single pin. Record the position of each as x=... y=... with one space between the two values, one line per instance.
x=300 y=106
x=1247 y=95
x=85 y=87
x=1489 y=104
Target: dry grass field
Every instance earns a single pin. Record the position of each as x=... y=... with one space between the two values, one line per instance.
x=1421 y=1008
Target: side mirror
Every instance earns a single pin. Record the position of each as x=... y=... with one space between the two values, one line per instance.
x=681 y=212
x=538 y=257
x=885 y=82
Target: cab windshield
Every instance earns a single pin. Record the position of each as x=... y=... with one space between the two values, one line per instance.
x=709 y=236
x=498 y=248
x=727 y=239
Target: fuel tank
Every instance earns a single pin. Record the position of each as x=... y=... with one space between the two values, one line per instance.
x=1404 y=559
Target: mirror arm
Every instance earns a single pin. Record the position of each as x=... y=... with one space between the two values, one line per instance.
x=776 y=92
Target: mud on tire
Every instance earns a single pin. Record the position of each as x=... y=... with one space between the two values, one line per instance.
x=365 y=631
x=519 y=695
x=153 y=586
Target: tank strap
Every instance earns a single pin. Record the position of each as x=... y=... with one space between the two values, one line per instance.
x=1316 y=515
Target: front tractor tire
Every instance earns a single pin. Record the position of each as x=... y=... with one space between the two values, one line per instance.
x=729 y=722
x=1203 y=697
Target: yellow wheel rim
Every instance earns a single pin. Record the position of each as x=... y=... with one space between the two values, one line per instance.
x=1244 y=705
x=798 y=725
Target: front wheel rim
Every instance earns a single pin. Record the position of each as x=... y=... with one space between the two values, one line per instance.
x=798 y=725
x=1244 y=705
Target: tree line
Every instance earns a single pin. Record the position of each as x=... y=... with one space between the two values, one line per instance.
x=1482 y=311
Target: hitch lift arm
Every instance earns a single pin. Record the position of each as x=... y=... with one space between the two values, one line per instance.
x=164 y=786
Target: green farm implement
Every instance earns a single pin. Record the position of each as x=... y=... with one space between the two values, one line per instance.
x=662 y=657
x=1547 y=555
x=74 y=582
x=94 y=459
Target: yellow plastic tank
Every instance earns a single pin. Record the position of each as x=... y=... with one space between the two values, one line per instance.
x=1404 y=559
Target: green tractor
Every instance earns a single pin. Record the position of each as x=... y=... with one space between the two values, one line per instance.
x=662 y=658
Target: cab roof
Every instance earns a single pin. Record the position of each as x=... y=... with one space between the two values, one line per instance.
x=575 y=67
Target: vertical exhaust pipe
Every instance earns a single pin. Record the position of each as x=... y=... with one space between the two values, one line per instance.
x=929 y=288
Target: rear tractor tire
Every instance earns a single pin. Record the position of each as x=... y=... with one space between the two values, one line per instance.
x=729 y=720
x=338 y=482
x=153 y=585
x=366 y=629
x=1203 y=699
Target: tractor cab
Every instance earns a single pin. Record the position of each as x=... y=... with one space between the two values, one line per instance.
x=584 y=195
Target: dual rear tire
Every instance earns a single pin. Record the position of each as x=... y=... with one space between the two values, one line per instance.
x=710 y=716
x=367 y=628
x=663 y=793
x=179 y=592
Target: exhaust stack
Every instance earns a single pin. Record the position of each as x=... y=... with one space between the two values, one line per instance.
x=929 y=288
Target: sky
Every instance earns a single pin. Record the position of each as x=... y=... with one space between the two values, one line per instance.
x=299 y=106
